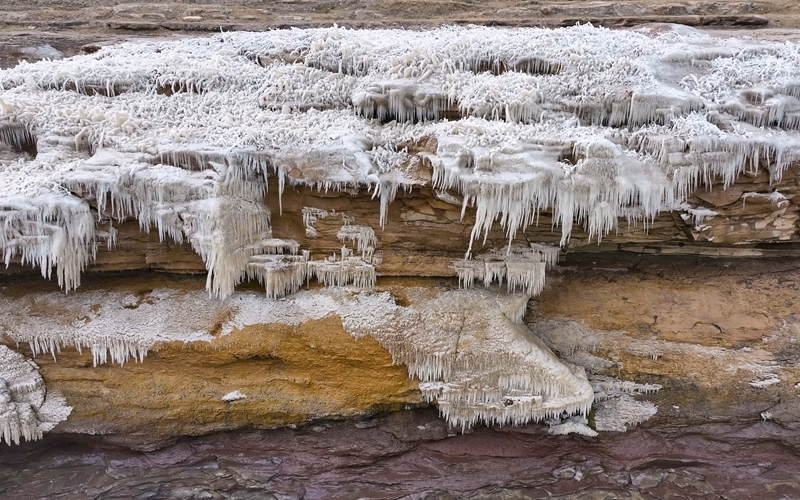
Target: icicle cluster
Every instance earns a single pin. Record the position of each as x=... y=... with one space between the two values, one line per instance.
x=27 y=410
x=593 y=125
x=477 y=362
x=468 y=348
x=522 y=269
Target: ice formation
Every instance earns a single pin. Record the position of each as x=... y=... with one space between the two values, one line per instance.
x=593 y=125
x=478 y=362
x=573 y=425
x=116 y=327
x=521 y=269
x=473 y=357
x=27 y=409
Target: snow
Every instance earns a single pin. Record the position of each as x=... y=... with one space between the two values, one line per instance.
x=594 y=125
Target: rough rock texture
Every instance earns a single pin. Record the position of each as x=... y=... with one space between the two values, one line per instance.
x=710 y=332
x=707 y=331
x=695 y=303
x=253 y=14
x=289 y=373
x=410 y=455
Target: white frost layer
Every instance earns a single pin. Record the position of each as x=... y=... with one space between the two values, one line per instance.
x=467 y=347
x=27 y=409
x=115 y=326
x=521 y=269
x=594 y=125
x=573 y=425
x=620 y=412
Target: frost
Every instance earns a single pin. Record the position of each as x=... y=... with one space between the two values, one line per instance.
x=573 y=425
x=773 y=197
x=343 y=270
x=620 y=412
x=27 y=409
x=363 y=236
x=473 y=357
x=311 y=216
x=595 y=127
x=115 y=327
x=766 y=382
x=615 y=408
x=521 y=269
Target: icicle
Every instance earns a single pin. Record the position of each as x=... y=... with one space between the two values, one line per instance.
x=363 y=236
x=310 y=217
x=595 y=126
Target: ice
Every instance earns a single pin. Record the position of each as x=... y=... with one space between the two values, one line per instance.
x=468 y=348
x=594 y=126
x=233 y=396
x=27 y=409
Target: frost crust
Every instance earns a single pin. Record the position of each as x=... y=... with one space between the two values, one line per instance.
x=27 y=409
x=593 y=125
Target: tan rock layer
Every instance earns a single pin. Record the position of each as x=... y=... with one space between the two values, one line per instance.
x=708 y=331
x=289 y=375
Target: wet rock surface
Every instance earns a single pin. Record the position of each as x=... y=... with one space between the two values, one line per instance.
x=413 y=455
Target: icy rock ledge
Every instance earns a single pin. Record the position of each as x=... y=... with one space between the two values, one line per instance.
x=595 y=126
x=27 y=409
x=468 y=348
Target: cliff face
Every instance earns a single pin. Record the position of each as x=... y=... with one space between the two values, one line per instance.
x=291 y=229
x=717 y=335
x=706 y=330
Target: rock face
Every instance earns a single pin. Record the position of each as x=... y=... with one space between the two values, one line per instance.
x=26 y=410
x=250 y=15
x=716 y=335
x=444 y=223
x=410 y=454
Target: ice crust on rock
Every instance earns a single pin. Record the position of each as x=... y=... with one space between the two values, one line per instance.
x=522 y=269
x=620 y=412
x=114 y=326
x=234 y=396
x=594 y=125
x=573 y=425
x=473 y=357
x=27 y=409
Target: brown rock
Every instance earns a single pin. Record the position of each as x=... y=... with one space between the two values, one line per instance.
x=721 y=197
x=290 y=375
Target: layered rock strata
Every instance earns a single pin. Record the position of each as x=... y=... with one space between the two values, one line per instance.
x=325 y=159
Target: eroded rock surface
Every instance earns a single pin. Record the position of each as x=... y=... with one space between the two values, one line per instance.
x=411 y=455
x=678 y=371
